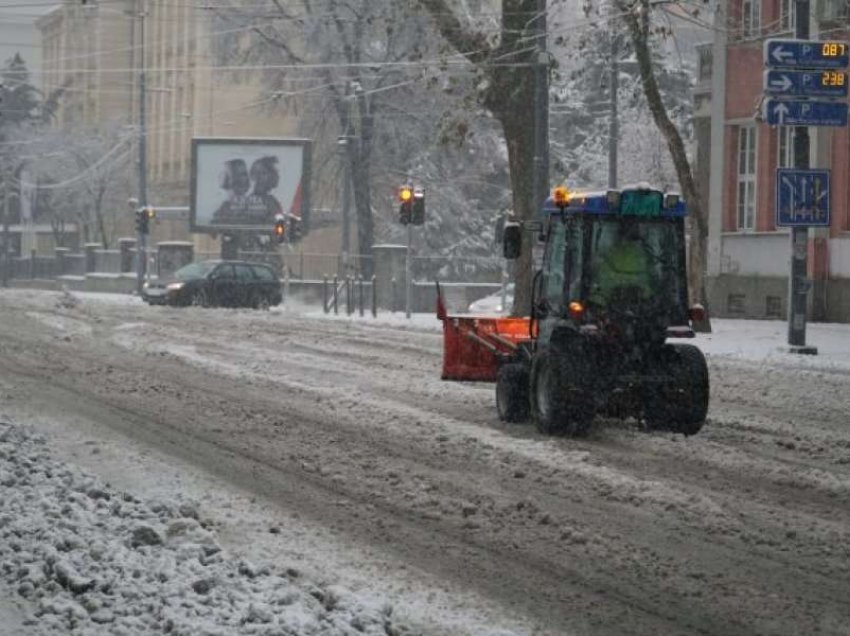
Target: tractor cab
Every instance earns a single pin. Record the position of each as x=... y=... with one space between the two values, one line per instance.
x=613 y=261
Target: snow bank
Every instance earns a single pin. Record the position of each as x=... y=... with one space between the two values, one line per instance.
x=87 y=559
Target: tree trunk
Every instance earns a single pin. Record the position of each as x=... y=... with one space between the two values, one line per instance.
x=361 y=170
x=101 y=225
x=638 y=25
x=519 y=132
x=509 y=95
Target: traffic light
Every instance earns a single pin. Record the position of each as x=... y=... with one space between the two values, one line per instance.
x=405 y=211
x=280 y=228
x=143 y=217
x=418 y=214
x=295 y=229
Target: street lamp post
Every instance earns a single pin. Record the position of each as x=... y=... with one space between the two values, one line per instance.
x=142 y=239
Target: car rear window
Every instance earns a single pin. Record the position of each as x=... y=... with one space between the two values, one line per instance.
x=264 y=273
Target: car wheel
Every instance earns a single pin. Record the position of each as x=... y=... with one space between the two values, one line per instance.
x=261 y=302
x=200 y=299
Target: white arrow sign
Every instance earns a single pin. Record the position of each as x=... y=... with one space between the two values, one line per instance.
x=780 y=54
x=784 y=84
x=781 y=110
x=790 y=185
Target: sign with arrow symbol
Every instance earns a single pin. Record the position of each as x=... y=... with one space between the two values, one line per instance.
x=790 y=112
x=806 y=83
x=806 y=54
x=802 y=198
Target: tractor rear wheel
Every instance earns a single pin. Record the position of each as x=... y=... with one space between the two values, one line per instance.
x=560 y=399
x=682 y=405
x=512 y=392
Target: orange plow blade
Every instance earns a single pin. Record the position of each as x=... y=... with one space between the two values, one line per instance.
x=472 y=345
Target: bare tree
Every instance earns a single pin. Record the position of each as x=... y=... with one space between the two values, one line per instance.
x=637 y=16
x=506 y=65
x=354 y=58
x=86 y=181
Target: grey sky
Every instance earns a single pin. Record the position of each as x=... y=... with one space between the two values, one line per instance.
x=18 y=33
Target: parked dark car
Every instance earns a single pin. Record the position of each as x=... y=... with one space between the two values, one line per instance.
x=217 y=284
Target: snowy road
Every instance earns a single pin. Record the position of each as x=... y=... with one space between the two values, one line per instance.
x=375 y=475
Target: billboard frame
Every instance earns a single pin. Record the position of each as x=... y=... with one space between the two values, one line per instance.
x=306 y=176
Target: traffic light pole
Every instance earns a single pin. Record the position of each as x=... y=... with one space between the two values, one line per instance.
x=408 y=283
x=798 y=284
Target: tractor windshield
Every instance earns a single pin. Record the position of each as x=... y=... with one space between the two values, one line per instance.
x=637 y=264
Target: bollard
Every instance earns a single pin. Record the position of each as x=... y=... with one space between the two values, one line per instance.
x=336 y=295
x=347 y=297
x=286 y=286
x=392 y=297
x=325 y=293
x=374 y=298
x=360 y=293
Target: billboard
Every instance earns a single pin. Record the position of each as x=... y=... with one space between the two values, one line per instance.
x=243 y=183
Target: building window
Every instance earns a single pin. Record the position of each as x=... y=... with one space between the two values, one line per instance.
x=735 y=304
x=786 y=147
x=773 y=307
x=787 y=15
x=746 y=182
x=705 y=61
x=750 y=17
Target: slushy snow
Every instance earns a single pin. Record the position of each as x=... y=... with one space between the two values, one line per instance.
x=90 y=560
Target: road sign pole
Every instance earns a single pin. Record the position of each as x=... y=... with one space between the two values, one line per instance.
x=798 y=286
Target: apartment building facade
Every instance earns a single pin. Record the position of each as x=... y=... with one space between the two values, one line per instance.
x=749 y=256
x=98 y=54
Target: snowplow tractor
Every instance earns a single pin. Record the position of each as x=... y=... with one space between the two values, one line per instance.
x=610 y=295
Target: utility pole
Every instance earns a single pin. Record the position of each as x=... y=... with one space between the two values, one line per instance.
x=142 y=252
x=6 y=198
x=344 y=144
x=613 y=124
x=540 y=187
x=798 y=283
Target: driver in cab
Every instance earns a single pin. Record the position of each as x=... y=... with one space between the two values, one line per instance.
x=622 y=269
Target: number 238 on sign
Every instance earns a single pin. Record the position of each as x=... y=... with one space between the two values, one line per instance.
x=833 y=78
